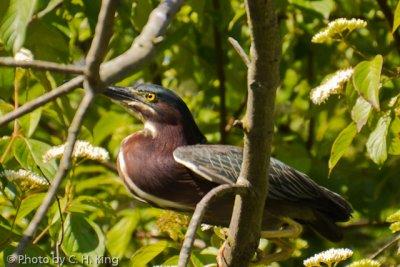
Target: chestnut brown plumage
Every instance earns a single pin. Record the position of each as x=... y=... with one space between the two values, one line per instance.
x=168 y=165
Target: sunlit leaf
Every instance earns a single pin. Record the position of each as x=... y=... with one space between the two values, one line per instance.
x=394 y=137
x=119 y=236
x=147 y=253
x=341 y=144
x=30 y=121
x=366 y=79
x=29 y=153
x=396 y=19
x=360 y=112
x=376 y=144
x=14 y=24
x=29 y=204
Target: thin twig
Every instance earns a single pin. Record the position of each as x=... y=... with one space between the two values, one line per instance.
x=239 y=49
x=42 y=100
x=41 y=65
x=144 y=46
x=107 y=7
x=198 y=215
x=386 y=246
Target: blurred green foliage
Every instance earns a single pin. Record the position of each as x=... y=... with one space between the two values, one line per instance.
x=100 y=218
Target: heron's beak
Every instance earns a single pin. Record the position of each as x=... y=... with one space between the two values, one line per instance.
x=120 y=93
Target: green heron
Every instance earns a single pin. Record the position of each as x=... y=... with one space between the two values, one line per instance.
x=169 y=165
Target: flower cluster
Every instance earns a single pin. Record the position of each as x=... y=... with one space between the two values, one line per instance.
x=23 y=55
x=337 y=27
x=26 y=180
x=329 y=257
x=394 y=219
x=174 y=224
x=82 y=149
x=333 y=85
x=365 y=263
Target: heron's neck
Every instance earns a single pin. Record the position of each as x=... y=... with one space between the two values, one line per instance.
x=173 y=134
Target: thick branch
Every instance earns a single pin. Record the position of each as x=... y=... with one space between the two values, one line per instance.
x=262 y=81
x=42 y=100
x=41 y=65
x=96 y=54
x=198 y=215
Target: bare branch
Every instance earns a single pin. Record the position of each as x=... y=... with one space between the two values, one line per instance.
x=100 y=41
x=198 y=215
x=141 y=52
x=239 y=49
x=144 y=46
x=41 y=65
x=42 y=100
x=95 y=56
x=62 y=170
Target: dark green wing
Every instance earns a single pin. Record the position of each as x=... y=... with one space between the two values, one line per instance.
x=221 y=164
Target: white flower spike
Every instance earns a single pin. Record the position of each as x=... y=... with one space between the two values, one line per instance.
x=23 y=55
x=332 y=86
x=328 y=257
x=27 y=180
x=337 y=27
x=82 y=149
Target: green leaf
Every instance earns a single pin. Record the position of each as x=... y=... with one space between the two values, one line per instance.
x=147 y=253
x=30 y=121
x=83 y=239
x=29 y=153
x=29 y=204
x=341 y=144
x=14 y=24
x=366 y=79
x=172 y=261
x=396 y=19
x=360 y=112
x=394 y=137
x=106 y=126
x=119 y=236
x=376 y=144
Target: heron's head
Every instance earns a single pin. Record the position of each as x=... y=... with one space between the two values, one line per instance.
x=155 y=105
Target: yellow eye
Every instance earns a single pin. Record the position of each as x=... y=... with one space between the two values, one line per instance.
x=150 y=97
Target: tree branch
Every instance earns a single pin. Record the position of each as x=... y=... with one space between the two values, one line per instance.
x=61 y=172
x=144 y=46
x=42 y=100
x=198 y=215
x=262 y=81
x=94 y=58
x=239 y=49
x=41 y=65
x=141 y=52
x=387 y=11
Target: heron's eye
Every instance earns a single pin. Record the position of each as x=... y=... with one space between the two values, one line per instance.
x=150 y=97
